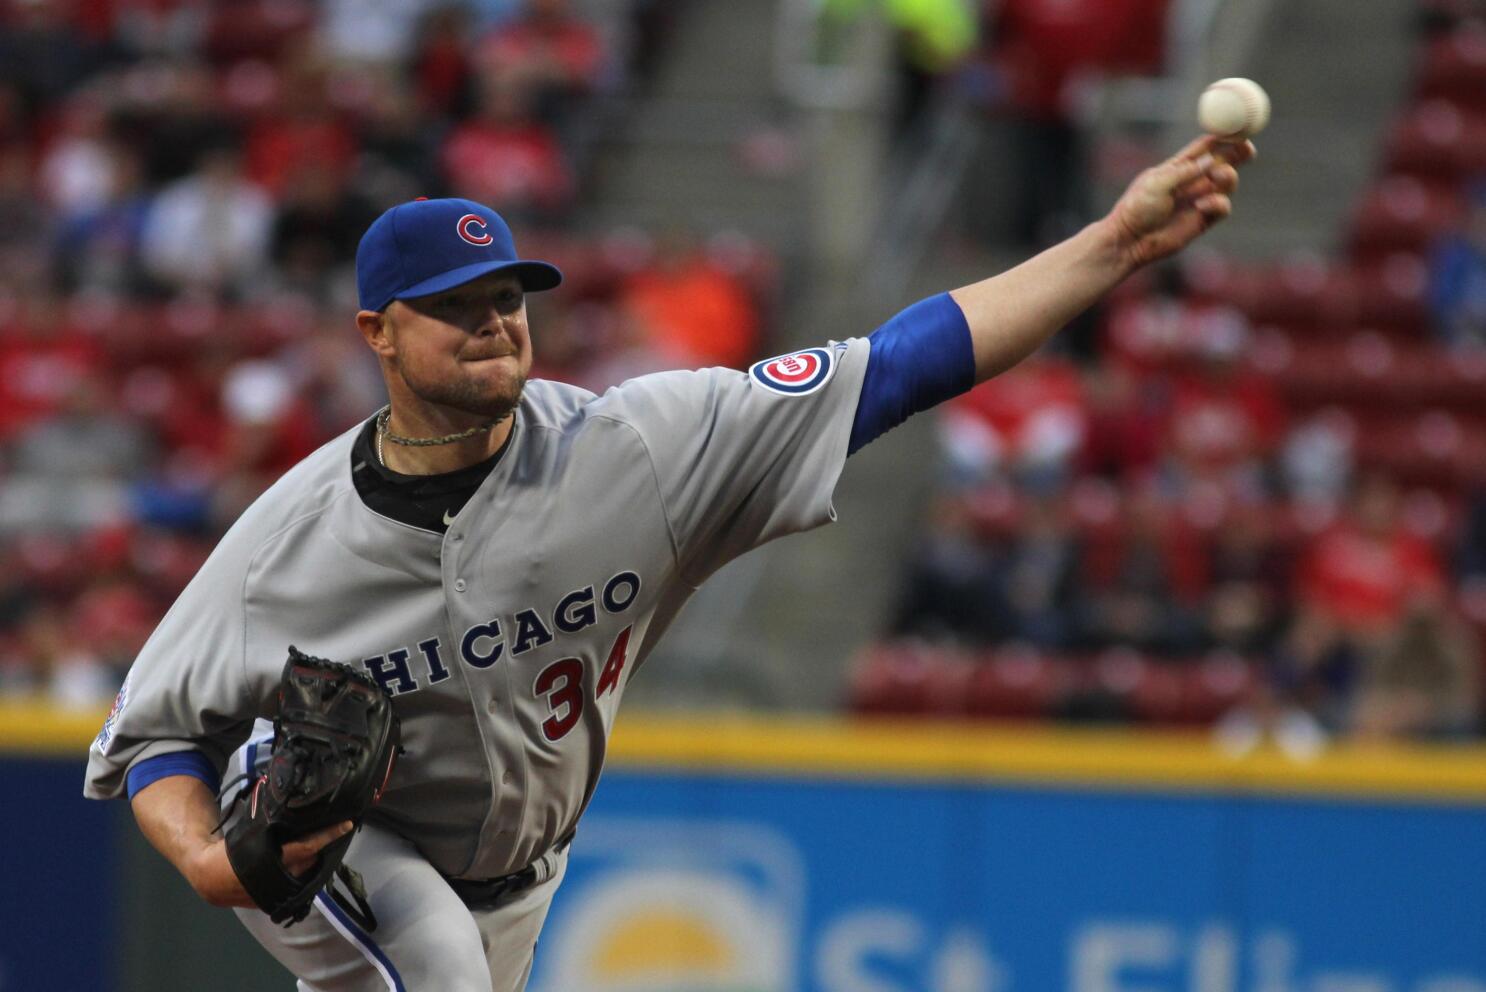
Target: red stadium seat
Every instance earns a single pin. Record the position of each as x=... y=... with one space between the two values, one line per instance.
x=1391 y=291
x=1438 y=139
x=1293 y=292
x=1453 y=68
x=1403 y=214
x=1216 y=683
x=1017 y=682
x=1193 y=692
x=903 y=679
x=1155 y=693
x=1435 y=449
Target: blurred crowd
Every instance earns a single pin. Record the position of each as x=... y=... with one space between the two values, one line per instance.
x=1246 y=497
x=182 y=187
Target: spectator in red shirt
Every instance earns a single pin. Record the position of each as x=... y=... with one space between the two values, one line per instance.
x=442 y=67
x=547 y=49
x=1030 y=422
x=43 y=360
x=1355 y=584
x=1362 y=575
x=1143 y=580
x=502 y=157
x=1224 y=419
x=1041 y=50
x=303 y=128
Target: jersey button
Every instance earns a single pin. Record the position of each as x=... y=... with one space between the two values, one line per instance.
x=495 y=705
x=460 y=585
x=505 y=778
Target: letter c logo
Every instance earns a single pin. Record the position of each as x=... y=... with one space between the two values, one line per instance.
x=470 y=223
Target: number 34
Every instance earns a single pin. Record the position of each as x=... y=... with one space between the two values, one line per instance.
x=562 y=683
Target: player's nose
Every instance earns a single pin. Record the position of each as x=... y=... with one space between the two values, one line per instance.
x=489 y=324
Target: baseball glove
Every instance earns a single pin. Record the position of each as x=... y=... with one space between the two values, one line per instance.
x=335 y=741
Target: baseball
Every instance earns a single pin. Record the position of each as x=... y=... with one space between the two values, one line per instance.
x=1233 y=108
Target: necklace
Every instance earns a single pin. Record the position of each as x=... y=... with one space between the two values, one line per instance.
x=383 y=431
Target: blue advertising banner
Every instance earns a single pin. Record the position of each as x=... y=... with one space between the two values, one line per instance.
x=778 y=855
x=722 y=881
x=56 y=904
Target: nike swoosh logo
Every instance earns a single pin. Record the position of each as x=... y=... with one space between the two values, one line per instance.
x=448 y=520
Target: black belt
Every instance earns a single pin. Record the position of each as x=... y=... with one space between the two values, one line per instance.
x=477 y=893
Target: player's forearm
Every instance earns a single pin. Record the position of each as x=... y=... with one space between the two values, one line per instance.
x=1013 y=314
x=178 y=815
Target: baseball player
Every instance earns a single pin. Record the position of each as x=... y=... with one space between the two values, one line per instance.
x=500 y=555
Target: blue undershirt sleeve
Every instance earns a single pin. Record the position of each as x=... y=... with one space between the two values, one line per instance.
x=192 y=763
x=920 y=358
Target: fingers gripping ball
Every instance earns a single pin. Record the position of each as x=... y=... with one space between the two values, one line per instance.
x=1233 y=108
x=335 y=741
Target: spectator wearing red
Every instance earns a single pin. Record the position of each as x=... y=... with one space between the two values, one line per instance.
x=1126 y=416
x=301 y=129
x=43 y=360
x=1225 y=420
x=1362 y=575
x=442 y=68
x=548 y=49
x=504 y=158
x=1041 y=50
x=1029 y=422
x=1144 y=579
x=1355 y=584
x=1043 y=46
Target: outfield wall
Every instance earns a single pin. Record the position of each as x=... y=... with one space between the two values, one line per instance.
x=754 y=854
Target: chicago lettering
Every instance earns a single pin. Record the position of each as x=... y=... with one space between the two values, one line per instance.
x=404 y=669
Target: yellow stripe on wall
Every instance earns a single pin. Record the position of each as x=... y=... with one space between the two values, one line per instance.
x=960 y=752
x=916 y=751
x=36 y=728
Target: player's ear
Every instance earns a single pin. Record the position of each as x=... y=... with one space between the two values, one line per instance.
x=374 y=325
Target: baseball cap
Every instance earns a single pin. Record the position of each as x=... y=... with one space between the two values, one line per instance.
x=428 y=246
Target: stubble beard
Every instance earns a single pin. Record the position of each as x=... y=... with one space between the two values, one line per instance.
x=494 y=403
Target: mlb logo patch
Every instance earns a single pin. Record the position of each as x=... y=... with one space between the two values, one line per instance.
x=106 y=734
x=794 y=374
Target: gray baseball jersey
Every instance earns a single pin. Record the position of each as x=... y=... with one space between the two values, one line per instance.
x=507 y=641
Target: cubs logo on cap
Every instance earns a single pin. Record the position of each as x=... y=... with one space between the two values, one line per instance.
x=428 y=246
x=794 y=374
x=472 y=228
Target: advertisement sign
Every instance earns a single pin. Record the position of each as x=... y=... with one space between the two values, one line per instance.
x=725 y=882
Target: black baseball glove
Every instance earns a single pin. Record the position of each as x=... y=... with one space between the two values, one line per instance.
x=335 y=740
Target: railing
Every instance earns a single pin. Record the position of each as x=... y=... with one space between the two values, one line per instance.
x=1209 y=38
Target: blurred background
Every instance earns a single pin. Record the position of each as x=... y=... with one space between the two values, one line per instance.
x=1155 y=663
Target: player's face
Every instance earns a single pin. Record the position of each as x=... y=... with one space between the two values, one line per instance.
x=467 y=348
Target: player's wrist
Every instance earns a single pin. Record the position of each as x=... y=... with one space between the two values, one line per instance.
x=1114 y=245
x=211 y=876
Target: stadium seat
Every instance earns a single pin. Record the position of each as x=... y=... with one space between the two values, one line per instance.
x=907 y=679
x=1438 y=139
x=1402 y=214
x=1017 y=682
x=1453 y=67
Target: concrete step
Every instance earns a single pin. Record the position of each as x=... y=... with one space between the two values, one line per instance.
x=726 y=49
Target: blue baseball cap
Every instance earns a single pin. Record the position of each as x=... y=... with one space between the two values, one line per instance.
x=428 y=246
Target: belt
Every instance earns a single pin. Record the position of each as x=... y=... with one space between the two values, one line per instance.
x=477 y=893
